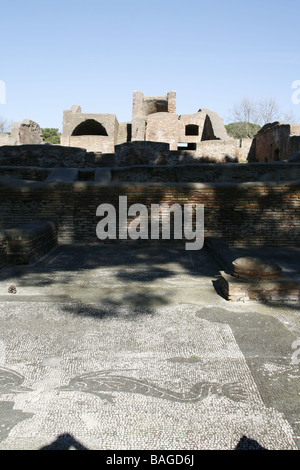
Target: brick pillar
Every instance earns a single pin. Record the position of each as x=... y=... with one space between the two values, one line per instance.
x=172 y=102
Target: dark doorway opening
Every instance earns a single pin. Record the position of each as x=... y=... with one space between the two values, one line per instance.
x=191 y=129
x=90 y=127
x=276 y=155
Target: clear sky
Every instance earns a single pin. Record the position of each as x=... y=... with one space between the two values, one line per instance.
x=95 y=53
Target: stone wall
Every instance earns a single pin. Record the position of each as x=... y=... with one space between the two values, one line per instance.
x=141 y=153
x=163 y=127
x=124 y=134
x=5 y=139
x=27 y=243
x=3 y=260
x=146 y=127
x=100 y=135
x=53 y=156
x=26 y=132
x=277 y=141
x=196 y=120
x=211 y=172
x=91 y=143
x=203 y=172
x=215 y=149
x=245 y=213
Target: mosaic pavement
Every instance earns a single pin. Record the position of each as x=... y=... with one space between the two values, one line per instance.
x=127 y=377
x=131 y=382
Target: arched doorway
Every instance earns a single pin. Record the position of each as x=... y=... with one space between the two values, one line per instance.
x=89 y=127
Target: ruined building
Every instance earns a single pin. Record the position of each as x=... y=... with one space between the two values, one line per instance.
x=277 y=141
x=50 y=193
x=154 y=119
x=23 y=133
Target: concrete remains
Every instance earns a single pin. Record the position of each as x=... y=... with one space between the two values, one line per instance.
x=26 y=132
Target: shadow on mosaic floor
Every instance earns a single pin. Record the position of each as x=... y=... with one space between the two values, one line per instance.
x=142 y=276
x=68 y=442
x=65 y=442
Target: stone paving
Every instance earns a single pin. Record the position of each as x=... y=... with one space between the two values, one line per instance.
x=133 y=347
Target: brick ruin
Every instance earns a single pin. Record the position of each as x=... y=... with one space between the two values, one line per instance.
x=154 y=120
x=23 y=133
x=277 y=141
x=50 y=193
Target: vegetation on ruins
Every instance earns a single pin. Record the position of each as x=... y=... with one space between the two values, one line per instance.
x=248 y=116
x=242 y=130
x=51 y=135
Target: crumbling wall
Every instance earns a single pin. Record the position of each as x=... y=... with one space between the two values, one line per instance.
x=218 y=149
x=143 y=109
x=163 y=127
x=23 y=133
x=93 y=132
x=191 y=127
x=277 y=141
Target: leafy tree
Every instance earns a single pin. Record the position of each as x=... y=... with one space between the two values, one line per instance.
x=242 y=130
x=51 y=135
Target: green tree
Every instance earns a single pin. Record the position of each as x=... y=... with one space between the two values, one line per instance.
x=242 y=130
x=51 y=135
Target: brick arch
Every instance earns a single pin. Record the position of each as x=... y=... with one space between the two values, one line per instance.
x=89 y=127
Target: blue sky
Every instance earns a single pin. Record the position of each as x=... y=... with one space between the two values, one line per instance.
x=96 y=53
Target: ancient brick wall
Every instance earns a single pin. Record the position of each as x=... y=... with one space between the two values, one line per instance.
x=246 y=213
x=197 y=120
x=93 y=132
x=277 y=141
x=92 y=143
x=238 y=148
x=2 y=250
x=163 y=127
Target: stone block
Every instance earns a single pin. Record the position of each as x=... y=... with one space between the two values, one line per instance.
x=27 y=243
x=59 y=175
x=281 y=289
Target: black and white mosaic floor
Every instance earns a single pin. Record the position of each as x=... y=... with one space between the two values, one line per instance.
x=128 y=378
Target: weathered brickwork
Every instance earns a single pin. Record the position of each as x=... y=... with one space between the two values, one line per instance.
x=246 y=213
x=2 y=250
x=93 y=132
x=163 y=127
x=238 y=148
x=277 y=141
x=27 y=243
